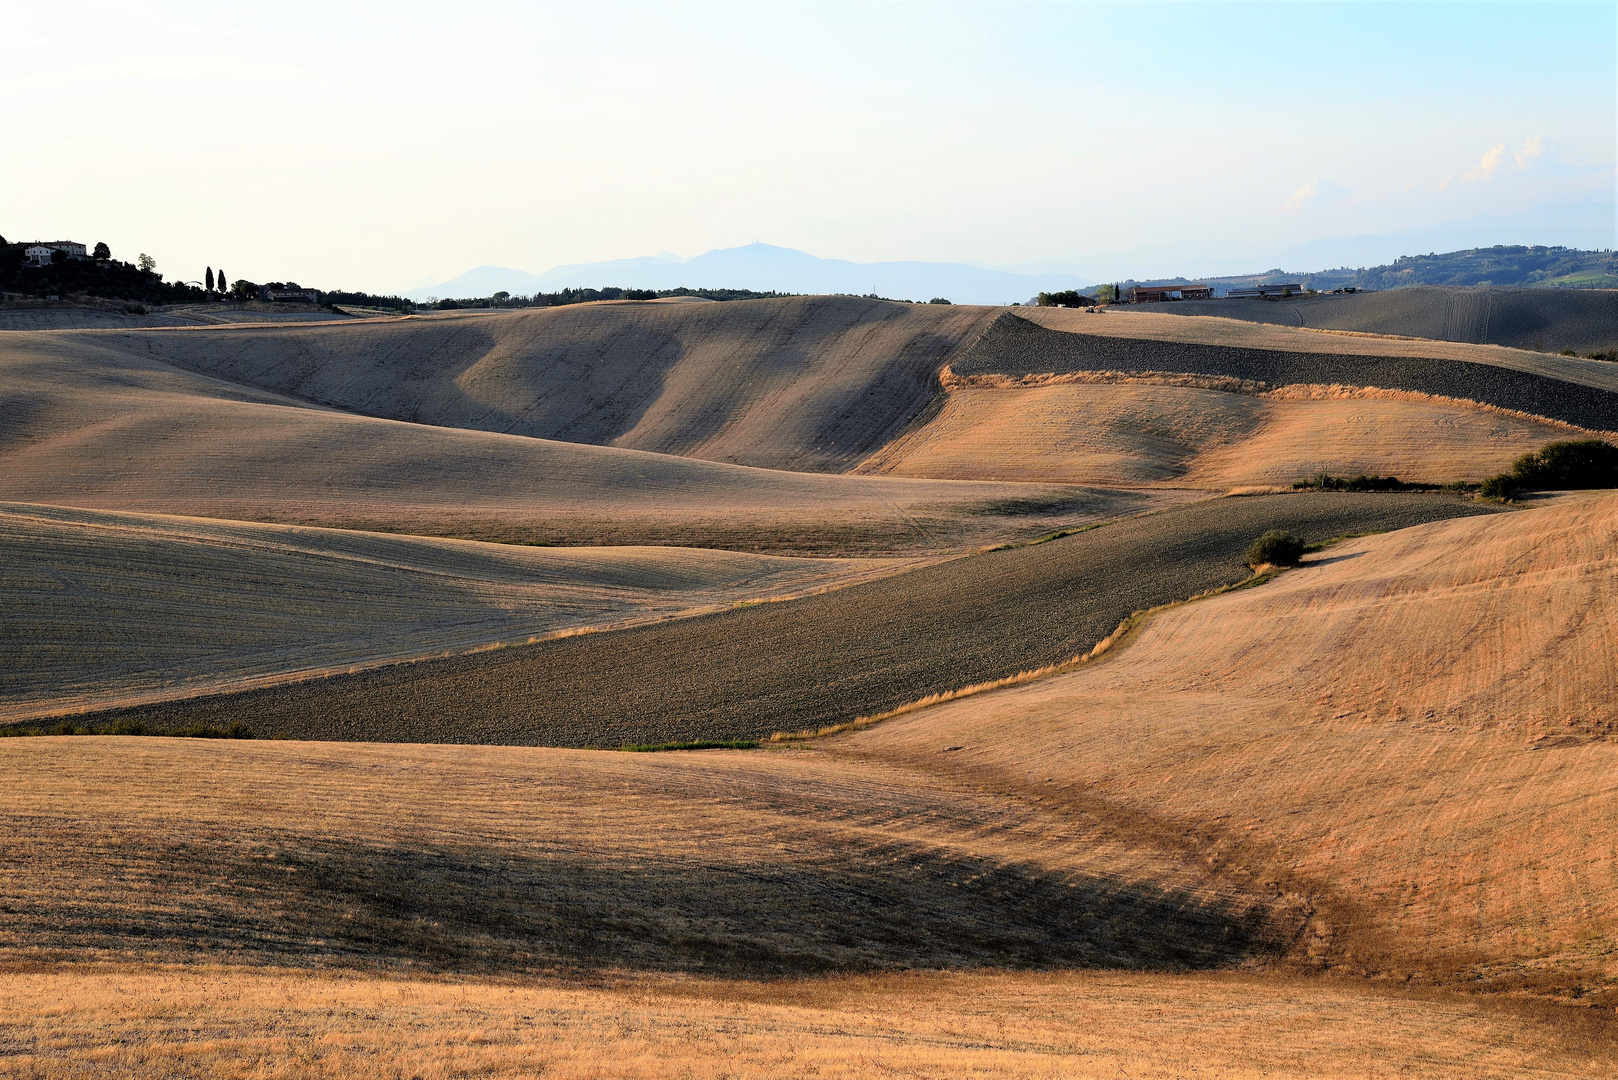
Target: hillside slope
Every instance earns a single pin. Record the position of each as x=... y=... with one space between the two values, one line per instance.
x=809 y=383
x=95 y=421
x=820 y=660
x=1584 y=320
x=1015 y=346
x=1413 y=735
x=1140 y=431
x=108 y=609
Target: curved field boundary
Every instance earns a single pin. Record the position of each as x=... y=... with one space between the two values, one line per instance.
x=817 y=661
x=1016 y=347
x=1583 y=319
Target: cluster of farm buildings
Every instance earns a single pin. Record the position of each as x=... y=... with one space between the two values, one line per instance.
x=41 y=253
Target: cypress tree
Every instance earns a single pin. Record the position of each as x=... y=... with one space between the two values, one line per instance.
x=207 y=278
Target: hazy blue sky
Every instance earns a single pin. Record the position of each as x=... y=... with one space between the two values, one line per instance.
x=383 y=146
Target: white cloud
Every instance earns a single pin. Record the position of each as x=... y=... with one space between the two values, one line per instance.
x=1530 y=150
x=1490 y=163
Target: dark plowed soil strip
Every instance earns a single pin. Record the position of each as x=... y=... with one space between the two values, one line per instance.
x=825 y=659
x=1014 y=346
x=1537 y=319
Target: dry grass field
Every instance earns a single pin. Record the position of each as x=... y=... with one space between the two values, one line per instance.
x=1354 y=822
x=212 y=1021
x=1415 y=730
x=1137 y=433
x=811 y=384
x=106 y=609
x=87 y=421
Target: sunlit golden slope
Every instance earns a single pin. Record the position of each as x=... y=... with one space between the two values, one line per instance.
x=1413 y=731
x=1072 y=429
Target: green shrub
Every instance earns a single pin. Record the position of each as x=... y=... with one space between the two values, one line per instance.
x=1497 y=487
x=1277 y=548
x=1577 y=463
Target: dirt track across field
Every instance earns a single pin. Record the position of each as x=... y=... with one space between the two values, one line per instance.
x=1016 y=347
x=824 y=659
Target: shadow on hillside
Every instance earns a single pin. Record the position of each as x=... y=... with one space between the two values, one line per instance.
x=303 y=901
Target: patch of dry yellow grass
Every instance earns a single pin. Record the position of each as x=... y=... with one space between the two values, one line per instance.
x=212 y=1021
x=1201 y=431
x=1415 y=730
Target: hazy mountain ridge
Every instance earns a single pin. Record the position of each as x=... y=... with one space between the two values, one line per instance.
x=766 y=267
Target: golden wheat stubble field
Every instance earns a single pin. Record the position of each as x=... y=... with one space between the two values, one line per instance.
x=1105 y=429
x=1379 y=787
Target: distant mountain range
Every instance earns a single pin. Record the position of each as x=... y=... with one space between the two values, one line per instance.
x=763 y=267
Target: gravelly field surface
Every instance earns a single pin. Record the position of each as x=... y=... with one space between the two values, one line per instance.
x=824 y=659
x=1015 y=346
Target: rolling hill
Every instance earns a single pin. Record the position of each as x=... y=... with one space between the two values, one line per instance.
x=98 y=420
x=1298 y=828
x=821 y=660
x=1585 y=320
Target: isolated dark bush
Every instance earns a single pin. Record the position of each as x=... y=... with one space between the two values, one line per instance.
x=1569 y=465
x=1277 y=548
x=1578 y=463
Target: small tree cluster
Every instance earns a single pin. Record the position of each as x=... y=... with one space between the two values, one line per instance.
x=1066 y=298
x=1569 y=465
x=1275 y=548
x=1324 y=481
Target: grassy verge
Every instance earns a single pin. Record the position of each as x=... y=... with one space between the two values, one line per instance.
x=658 y=748
x=1107 y=646
x=237 y=730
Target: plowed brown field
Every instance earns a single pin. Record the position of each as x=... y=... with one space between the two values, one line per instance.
x=107 y=609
